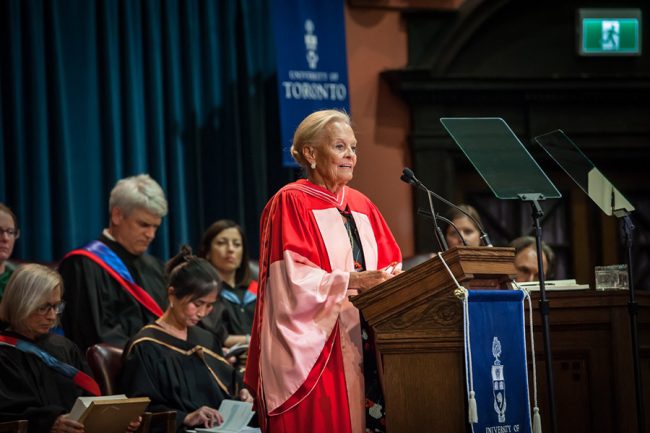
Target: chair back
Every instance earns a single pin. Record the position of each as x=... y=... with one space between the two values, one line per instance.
x=106 y=363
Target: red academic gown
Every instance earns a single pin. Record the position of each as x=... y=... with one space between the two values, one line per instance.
x=305 y=360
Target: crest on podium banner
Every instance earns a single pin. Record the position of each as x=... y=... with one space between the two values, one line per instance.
x=498 y=381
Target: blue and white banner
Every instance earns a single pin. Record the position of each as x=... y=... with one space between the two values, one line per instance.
x=311 y=61
x=498 y=360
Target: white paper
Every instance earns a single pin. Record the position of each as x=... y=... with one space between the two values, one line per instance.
x=236 y=415
x=554 y=285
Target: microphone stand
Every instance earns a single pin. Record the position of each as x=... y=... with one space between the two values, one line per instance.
x=442 y=242
x=484 y=236
x=537 y=214
x=409 y=177
x=627 y=229
x=427 y=214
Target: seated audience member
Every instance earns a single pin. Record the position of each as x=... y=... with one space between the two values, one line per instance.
x=9 y=232
x=224 y=245
x=42 y=373
x=178 y=365
x=526 y=259
x=113 y=288
x=465 y=226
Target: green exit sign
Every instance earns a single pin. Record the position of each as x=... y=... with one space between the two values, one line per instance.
x=609 y=32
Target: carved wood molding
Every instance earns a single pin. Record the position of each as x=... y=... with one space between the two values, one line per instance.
x=436 y=313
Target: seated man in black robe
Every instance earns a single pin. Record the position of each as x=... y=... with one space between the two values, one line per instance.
x=42 y=373
x=178 y=365
x=113 y=288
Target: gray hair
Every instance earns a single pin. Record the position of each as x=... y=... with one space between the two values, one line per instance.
x=311 y=129
x=139 y=191
x=29 y=287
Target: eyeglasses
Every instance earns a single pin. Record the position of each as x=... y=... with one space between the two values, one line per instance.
x=45 y=309
x=12 y=233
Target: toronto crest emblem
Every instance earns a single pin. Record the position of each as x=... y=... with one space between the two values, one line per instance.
x=498 y=381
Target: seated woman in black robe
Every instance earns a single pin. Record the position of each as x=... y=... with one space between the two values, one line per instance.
x=223 y=244
x=42 y=373
x=178 y=365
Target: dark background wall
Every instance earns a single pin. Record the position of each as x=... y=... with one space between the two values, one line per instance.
x=518 y=60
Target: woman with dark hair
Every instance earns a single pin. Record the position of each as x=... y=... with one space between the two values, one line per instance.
x=224 y=245
x=178 y=365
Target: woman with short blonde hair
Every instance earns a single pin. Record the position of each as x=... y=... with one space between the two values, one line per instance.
x=42 y=373
x=321 y=242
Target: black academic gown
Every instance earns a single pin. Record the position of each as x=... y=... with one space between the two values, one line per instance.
x=214 y=323
x=31 y=390
x=228 y=317
x=98 y=309
x=237 y=316
x=178 y=375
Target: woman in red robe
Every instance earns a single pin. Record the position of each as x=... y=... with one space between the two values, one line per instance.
x=321 y=242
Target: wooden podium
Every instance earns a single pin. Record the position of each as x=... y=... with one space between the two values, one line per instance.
x=417 y=322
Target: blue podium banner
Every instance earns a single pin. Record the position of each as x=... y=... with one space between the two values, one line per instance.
x=311 y=62
x=498 y=361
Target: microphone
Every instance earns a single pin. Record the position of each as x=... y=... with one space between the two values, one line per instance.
x=427 y=214
x=409 y=177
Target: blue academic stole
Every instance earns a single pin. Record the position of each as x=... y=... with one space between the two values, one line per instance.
x=101 y=254
x=80 y=378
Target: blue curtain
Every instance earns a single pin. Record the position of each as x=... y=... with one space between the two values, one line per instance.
x=93 y=91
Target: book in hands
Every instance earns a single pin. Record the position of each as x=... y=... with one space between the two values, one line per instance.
x=236 y=415
x=236 y=350
x=107 y=414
